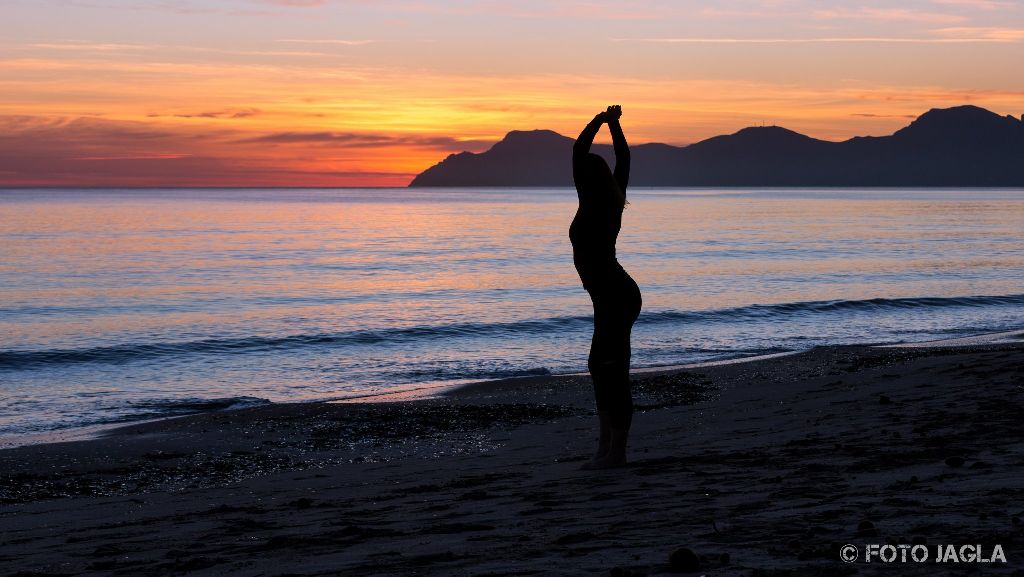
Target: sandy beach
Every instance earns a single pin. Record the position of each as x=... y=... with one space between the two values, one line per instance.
x=762 y=468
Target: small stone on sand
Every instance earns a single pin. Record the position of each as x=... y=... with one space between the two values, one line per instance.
x=866 y=529
x=684 y=560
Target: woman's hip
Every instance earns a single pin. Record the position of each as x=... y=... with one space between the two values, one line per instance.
x=618 y=293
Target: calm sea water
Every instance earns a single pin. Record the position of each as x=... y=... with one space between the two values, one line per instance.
x=124 y=304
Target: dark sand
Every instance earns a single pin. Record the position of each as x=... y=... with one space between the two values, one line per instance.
x=763 y=468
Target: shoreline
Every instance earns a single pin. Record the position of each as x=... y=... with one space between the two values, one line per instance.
x=434 y=390
x=759 y=467
x=415 y=391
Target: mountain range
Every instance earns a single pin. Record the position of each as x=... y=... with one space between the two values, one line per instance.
x=959 y=146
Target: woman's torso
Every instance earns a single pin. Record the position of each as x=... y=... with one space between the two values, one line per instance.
x=593 y=233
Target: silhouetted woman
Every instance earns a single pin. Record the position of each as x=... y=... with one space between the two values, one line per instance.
x=615 y=295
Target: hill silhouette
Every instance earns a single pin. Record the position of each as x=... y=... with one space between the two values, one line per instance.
x=959 y=146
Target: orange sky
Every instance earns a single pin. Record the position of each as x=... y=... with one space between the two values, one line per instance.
x=360 y=93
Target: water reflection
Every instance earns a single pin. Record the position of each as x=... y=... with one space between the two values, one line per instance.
x=83 y=270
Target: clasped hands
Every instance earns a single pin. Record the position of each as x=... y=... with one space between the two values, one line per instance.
x=611 y=115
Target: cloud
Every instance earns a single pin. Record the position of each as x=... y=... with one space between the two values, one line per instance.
x=367 y=140
x=715 y=12
x=869 y=115
x=143 y=156
x=296 y=3
x=232 y=113
x=111 y=47
x=543 y=9
x=936 y=96
x=340 y=42
x=887 y=15
x=992 y=34
x=978 y=4
x=94 y=46
x=89 y=151
x=830 y=40
x=60 y=151
x=64 y=138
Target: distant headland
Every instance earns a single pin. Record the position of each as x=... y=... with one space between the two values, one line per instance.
x=959 y=146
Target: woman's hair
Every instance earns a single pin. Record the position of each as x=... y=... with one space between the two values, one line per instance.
x=599 y=177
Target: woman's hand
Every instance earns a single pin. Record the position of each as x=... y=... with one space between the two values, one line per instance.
x=613 y=113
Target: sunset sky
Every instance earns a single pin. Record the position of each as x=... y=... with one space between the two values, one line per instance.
x=370 y=92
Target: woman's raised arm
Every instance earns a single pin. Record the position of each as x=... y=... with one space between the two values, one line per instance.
x=620 y=146
x=586 y=138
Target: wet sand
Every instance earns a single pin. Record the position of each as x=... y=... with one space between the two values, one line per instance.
x=763 y=468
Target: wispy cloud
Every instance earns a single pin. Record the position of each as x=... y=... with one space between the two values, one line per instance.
x=887 y=15
x=56 y=151
x=94 y=46
x=295 y=53
x=233 y=113
x=1007 y=37
x=296 y=3
x=978 y=4
x=142 y=156
x=870 y=115
x=366 y=140
x=950 y=97
x=112 y=47
x=546 y=9
x=992 y=34
x=337 y=41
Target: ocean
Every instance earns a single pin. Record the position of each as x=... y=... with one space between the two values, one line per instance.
x=120 y=305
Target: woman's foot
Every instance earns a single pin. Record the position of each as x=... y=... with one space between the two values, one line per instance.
x=614 y=454
x=604 y=441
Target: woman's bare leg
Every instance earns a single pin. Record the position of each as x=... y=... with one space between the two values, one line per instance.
x=605 y=434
